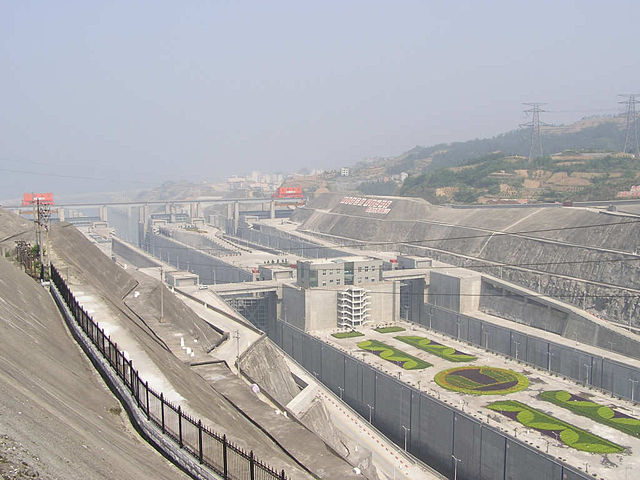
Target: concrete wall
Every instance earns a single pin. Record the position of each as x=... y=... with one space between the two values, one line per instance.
x=437 y=431
x=271 y=237
x=509 y=302
x=321 y=309
x=131 y=255
x=184 y=257
x=455 y=289
x=293 y=308
x=561 y=358
x=124 y=220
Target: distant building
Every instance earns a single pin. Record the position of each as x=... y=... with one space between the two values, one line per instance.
x=344 y=172
x=356 y=271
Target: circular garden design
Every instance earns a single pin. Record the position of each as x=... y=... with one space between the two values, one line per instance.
x=482 y=380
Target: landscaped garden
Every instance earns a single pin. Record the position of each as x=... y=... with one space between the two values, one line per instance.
x=595 y=411
x=482 y=380
x=349 y=334
x=393 y=355
x=443 y=351
x=546 y=424
x=391 y=329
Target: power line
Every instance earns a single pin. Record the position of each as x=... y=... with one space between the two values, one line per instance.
x=631 y=124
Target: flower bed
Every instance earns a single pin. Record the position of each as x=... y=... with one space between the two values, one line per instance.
x=443 y=351
x=546 y=424
x=391 y=329
x=350 y=334
x=393 y=355
x=595 y=411
x=482 y=380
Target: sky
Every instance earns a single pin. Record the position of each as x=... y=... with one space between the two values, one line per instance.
x=115 y=95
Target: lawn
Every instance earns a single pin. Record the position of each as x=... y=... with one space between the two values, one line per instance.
x=481 y=380
x=570 y=435
x=443 y=351
x=350 y=334
x=595 y=411
x=392 y=329
x=393 y=355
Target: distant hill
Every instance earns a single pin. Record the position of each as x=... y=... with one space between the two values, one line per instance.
x=583 y=163
x=589 y=134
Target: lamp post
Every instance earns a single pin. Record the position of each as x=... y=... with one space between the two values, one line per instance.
x=633 y=388
x=370 y=410
x=455 y=466
x=406 y=430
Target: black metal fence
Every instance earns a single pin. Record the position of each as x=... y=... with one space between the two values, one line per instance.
x=209 y=448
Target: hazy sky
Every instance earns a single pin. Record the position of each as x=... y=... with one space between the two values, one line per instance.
x=140 y=92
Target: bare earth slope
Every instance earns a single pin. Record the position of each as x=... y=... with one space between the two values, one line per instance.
x=56 y=414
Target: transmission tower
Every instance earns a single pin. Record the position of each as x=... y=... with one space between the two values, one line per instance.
x=533 y=111
x=631 y=131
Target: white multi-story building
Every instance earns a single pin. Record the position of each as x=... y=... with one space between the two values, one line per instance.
x=353 y=307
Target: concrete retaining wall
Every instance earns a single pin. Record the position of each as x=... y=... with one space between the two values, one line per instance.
x=436 y=430
x=185 y=257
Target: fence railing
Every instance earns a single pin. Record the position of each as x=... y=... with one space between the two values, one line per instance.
x=208 y=447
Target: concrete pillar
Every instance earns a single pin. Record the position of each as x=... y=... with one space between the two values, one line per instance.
x=61 y=214
x=103 y=213
x=236 y=216
x=272 y=209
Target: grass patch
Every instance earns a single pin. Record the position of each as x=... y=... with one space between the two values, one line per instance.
x=350 y=334
x=443 y=351
x=482 y=380
x=595 y=411
x=570 y=435
x=393 y=355
x=391 y=329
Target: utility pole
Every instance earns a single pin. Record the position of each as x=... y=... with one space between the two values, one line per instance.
x=631 y=124
x=236 y=335
x=533 y=111
x=161 y=294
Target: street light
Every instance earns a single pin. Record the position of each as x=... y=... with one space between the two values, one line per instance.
x=370 y=410
x=633 y=388
x=406 y=430
x=586 y=380
x=455 y=467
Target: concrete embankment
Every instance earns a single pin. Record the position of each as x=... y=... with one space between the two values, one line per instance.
x=57 y=417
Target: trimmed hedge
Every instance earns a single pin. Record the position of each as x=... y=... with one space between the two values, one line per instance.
x=393 y=355
x=350 y=334
x=570 y=435
x=595 y=411
x=443 y=351
x=487 y=381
